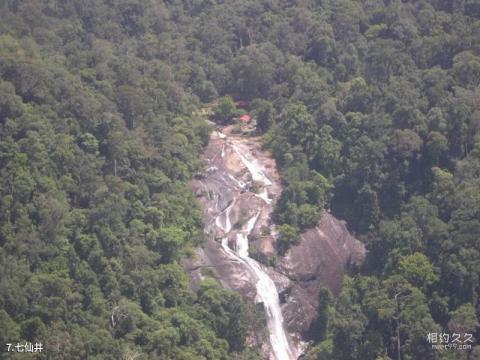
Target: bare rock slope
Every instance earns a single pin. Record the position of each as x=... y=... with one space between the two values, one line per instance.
x=240 y=186
x=319 y=260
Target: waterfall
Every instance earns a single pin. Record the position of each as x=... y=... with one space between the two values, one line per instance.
x=222 y=221
x=252 y=166
x=266 y=290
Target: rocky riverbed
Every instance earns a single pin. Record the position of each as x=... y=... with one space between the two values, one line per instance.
x=237 y=194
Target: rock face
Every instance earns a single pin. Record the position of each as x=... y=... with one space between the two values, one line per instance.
x=225 y=196
x=318 y=260
x=237 y=194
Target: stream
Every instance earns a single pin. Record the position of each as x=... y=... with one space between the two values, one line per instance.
x=233 y=169
x=237 y=193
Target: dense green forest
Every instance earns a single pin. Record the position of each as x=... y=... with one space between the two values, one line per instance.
x=97 y=145
x=371 y=108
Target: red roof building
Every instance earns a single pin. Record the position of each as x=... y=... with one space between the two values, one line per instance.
x=245 y=118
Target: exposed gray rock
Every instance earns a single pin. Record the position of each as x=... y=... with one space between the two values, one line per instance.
x=318 y=260
x=229 y=197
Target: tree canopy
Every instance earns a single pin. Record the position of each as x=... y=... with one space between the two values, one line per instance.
x=371 y=109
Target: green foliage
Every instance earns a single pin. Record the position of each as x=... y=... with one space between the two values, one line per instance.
x=225 y=110
x=320 y=325
x=367 y=209
x=225 y=310
x=463 y=320
x=371 y=110
x=287 y=236
x=417 y=269
x=384 y=109
x=264 y=112
x=98 y=145
x=301 y=202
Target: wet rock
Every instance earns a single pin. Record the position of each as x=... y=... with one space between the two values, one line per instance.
x=234 y=190
x=231 y=274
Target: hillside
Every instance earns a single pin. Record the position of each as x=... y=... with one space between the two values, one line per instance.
x=371 y=109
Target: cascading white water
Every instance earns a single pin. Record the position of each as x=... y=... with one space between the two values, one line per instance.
x=257 y=173
x=264 y=196
x=267 y=293
x=222 y=221
x=242 y=237
x=240 y=183
x=266 y=290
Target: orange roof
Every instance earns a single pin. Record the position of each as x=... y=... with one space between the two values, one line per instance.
x=245 y=118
